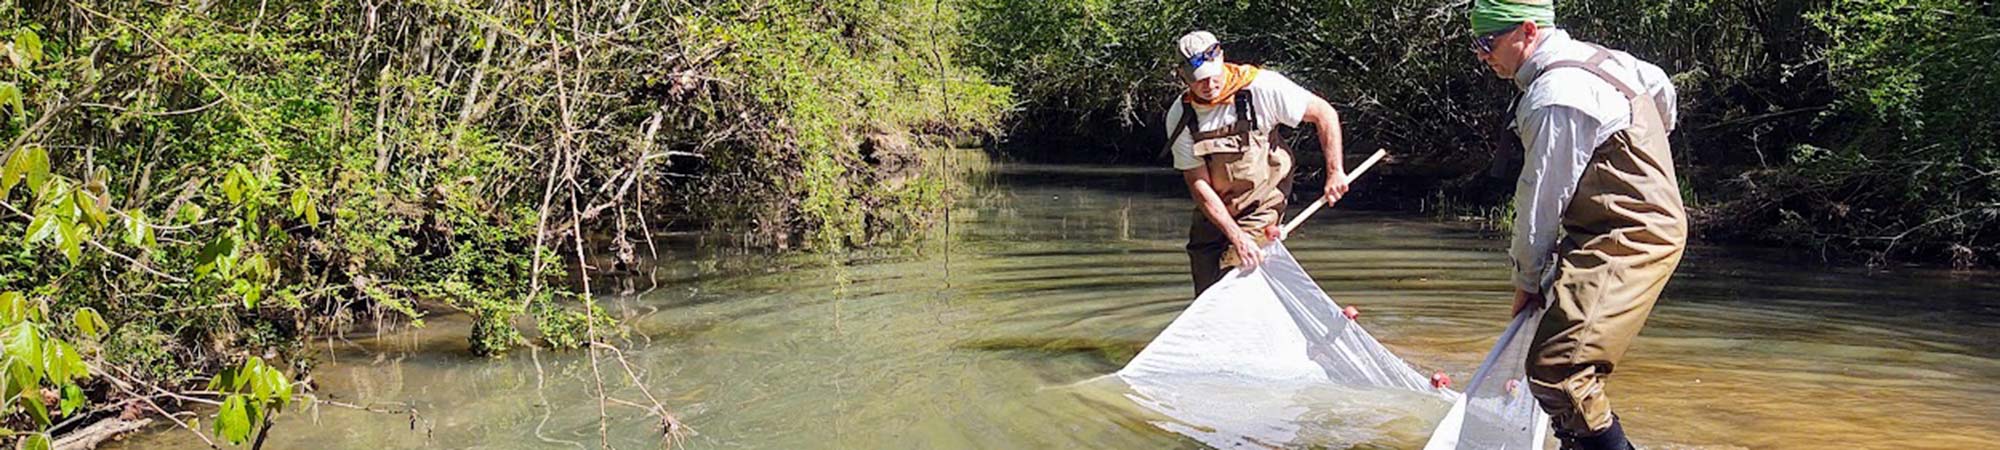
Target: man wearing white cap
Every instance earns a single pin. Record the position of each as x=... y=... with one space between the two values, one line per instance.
x=1236 y=165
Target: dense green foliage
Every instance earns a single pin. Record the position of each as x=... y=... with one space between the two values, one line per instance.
x=1864 y=127
x=220 y=181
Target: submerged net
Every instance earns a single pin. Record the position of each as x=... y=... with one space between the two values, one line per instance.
x=1259 y=339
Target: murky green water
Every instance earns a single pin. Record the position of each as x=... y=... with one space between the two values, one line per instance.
x=1055 y=275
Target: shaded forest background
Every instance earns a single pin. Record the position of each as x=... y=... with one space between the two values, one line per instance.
x=1859 y=130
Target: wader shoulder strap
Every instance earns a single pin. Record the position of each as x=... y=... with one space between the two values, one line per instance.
x=1187 y=123
x=1594 y=65
x=1246 y=120
x=1244 y=112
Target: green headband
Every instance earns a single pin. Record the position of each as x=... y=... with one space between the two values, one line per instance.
x=1494 y=15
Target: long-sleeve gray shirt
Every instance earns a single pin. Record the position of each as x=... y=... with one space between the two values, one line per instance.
x=1562 y=118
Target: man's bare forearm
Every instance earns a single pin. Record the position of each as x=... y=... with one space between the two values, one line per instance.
x=1209 y=201
x=1330 y=142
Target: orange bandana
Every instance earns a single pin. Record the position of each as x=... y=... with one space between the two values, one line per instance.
x=1235 y=77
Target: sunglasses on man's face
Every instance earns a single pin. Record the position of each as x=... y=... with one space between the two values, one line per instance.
x=1484 y=43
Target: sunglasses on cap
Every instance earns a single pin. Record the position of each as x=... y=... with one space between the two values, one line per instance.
x=1186 y=73
x=1484 y=43
x=1195 y=62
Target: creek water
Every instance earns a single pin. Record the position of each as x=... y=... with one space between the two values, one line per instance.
x=1049 y=276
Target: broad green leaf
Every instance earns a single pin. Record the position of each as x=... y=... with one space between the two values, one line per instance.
x=232 y=187
x=24 y=344
x=250 y=292
x=11 y=172
x=37 y=441
x=13 y=308
x=213 y=255
x=139 y=229
x=300 y=201
x=312 y=215
x=260 y=384
x=283 y=388
x=10 y=95
x=74 y=360
x=256 y=266
x=90 y=323
x=247 y=373
x=35 y=162
x=41 y=228
x=29 y=45
x=232 y=422
x=72 y=242
x=72 y=398
x=251 y=182
x=31 y=400
x=255 y=413
x=21 y=377
x=62 y=363
x=91 y=211
x=53 y=364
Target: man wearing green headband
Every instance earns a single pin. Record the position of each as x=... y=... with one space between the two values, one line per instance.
x=1599 y=226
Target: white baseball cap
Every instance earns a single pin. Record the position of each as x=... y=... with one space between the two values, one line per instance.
x=1197 y=43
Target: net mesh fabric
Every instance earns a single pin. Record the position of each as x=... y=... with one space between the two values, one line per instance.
x=1231 y=369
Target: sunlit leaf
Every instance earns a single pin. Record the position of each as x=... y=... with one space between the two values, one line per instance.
x=11 y=96
x=73 y=360
x=247 y=373
x=232 y=422
x=300 y=201
x=232 y=187
x=72 y=242
x=139 y=229
x=15 y=167
x=41 y=228
x=35 y=162
x=283 y=388
x=89 y=322
x=92 y=212
x=31 y=400
x=37 y=441
x=72 y=398
x=53 y=364
x=13 y=308
x=21 y=376
x=30 y=46
x=251 y=294
x=260 y=383
x=24 y=343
